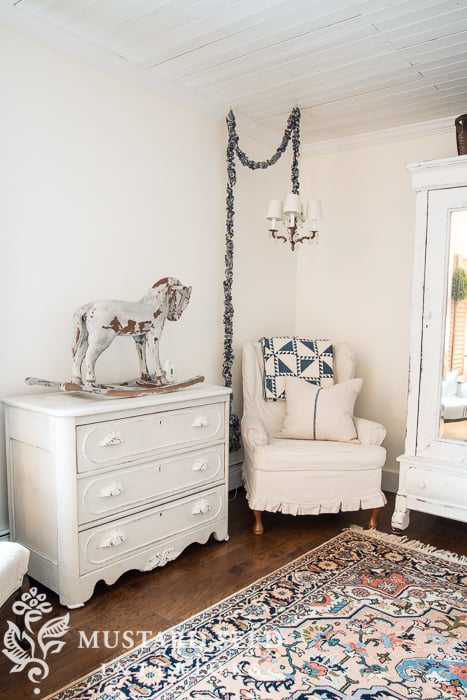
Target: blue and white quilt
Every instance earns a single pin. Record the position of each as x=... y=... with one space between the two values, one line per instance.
x=290 y=356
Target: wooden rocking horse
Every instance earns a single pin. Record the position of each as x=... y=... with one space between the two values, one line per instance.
x=98 y=323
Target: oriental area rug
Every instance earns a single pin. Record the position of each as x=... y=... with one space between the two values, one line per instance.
x=365 y=615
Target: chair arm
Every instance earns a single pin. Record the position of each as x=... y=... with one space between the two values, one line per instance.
x=369 y=432
x=253 y=431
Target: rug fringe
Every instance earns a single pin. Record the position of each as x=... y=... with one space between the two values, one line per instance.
x=411 y=544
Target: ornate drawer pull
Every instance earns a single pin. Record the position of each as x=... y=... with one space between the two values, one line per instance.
x=114 y=488
x=112 y=438
x=113 y=539
x=201 y=507
x=200 y=465
x=200 y=421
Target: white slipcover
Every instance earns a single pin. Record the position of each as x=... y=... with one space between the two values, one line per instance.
x=14 y=560
x=306 y=476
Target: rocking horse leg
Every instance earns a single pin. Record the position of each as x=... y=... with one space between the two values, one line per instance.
x=373 y=521
x=159 y=374
x=140 y=342
x=78 y=358
x=258 y=528
x=92 y=355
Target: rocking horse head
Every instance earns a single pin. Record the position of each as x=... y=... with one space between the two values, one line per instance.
x=178 y=297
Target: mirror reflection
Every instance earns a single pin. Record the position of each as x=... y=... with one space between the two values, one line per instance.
x=453 y=422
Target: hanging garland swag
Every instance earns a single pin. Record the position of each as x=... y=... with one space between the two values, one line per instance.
x=292 y=131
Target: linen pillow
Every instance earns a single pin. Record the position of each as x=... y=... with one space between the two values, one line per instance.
x=320 y=413
x=292 y=356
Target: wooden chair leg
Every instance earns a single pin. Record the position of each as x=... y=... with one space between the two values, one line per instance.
x=373 y=521
x=258 y=528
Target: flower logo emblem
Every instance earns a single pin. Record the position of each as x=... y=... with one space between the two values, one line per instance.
x=25 y=647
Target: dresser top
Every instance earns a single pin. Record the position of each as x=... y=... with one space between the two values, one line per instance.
x=80 y=404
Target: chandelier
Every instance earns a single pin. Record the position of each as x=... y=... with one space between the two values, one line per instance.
x=300 y=222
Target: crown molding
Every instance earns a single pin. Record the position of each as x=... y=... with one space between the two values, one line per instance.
x=372 y=138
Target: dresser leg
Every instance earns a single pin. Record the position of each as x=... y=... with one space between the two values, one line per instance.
x=258 y=528
x=401 y=516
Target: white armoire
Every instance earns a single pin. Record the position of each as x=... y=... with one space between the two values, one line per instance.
x=433 y=468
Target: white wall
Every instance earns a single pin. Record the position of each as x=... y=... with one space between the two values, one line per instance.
x=265 y=272
x=105 y=188
x=356 y=284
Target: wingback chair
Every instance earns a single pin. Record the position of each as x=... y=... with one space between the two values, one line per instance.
x=308 y=476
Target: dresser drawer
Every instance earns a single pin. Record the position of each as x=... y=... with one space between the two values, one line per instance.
x=441 y=487
x=132 y=486
x=132 y=439
x=105 y=544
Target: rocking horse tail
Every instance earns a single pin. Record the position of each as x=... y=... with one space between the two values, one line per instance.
x=80 y=339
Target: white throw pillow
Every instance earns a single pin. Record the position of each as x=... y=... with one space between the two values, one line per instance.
x=320 y=413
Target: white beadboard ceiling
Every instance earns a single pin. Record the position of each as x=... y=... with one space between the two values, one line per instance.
x=354 y=67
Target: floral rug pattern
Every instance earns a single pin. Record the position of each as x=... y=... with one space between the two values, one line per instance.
x=365 y=616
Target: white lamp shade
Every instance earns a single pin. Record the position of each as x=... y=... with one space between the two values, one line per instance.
x=292 y=204
x=314 y=210
x=274 y=209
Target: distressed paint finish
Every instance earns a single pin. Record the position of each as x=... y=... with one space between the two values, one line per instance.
x=98 y=323
x=433 y=474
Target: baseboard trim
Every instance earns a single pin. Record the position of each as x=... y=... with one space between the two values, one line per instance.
x=390 y=481
x=235 y=476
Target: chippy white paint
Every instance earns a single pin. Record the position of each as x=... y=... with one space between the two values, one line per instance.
x=98 y=323
x=432 y=477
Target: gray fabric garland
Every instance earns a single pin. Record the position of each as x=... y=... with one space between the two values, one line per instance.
x=292 y=131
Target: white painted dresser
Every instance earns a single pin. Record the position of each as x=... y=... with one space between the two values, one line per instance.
x=99 y=486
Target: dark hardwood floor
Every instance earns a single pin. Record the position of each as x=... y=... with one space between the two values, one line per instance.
x=201 y=576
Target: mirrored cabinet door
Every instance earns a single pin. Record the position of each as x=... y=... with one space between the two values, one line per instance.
x=433 y=468
x=442 y=424
x=453 y=398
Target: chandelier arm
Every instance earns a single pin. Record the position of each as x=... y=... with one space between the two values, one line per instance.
x=278 y=236
x=292 y=131
x=309 y=237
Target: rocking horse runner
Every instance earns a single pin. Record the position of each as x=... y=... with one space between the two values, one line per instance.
x=98 y=323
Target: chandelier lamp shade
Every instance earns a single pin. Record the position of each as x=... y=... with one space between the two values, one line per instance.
x=300 y=223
